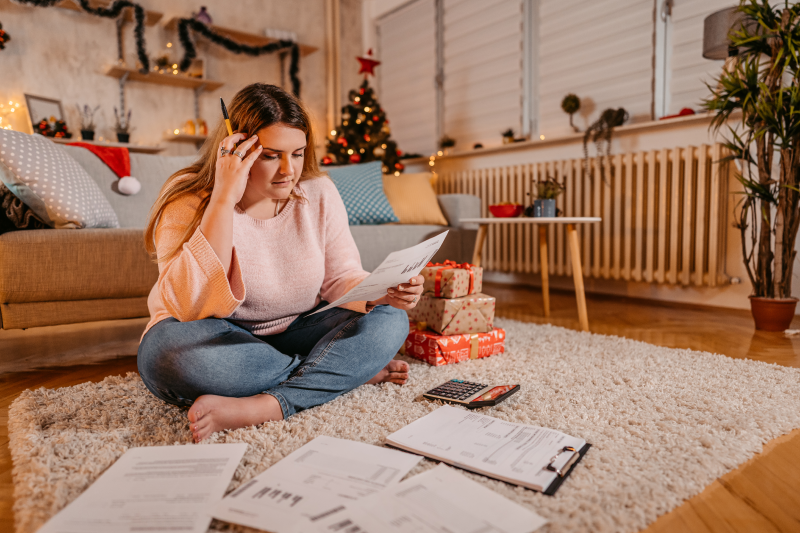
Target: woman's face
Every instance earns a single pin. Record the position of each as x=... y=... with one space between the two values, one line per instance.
x=278 y=168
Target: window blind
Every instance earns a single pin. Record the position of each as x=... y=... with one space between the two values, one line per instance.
x=602 y=51
x=482 y=70
x=407 y=75
x=689 y=70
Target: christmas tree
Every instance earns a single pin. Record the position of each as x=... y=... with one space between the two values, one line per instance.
x=363 y=134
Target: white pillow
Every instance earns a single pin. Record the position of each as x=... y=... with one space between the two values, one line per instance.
x=51 y=183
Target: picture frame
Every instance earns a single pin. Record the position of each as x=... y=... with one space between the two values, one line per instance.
x=40 y=107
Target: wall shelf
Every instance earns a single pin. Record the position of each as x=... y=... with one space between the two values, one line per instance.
x=185 y=138
x=250 y=39
x=151 y=18
x=131 y=147
x=176 y=80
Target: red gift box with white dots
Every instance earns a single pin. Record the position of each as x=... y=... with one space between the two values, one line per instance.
x=440 y=350
x=455 y=316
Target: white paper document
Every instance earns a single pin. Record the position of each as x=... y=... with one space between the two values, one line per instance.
x=514 y=453
x=312 y=483
x=397 y=268
x=437 y=501
x=157 y=489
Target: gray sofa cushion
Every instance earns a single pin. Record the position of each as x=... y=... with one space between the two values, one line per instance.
x=376 y=242
x=458 y=206
x=151 y=171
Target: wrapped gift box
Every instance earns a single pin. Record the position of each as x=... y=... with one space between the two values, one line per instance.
x=453 y=316
x=440 y=350
x=451 y=280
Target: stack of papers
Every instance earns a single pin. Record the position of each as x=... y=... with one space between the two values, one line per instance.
x=330 y=485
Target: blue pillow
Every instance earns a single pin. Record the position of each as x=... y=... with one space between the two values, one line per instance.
x=361 y=189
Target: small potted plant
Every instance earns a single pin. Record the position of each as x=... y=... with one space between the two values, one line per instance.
x=123 y=126
x=571 y=104
x=544 y=205
x=87 y=121
x=446 y=144
x=508 y=136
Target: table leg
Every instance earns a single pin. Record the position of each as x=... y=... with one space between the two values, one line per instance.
x=543 y=262
x=478 y=251
x=577 y=274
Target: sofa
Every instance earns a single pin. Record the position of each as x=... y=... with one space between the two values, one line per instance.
x=51 y=277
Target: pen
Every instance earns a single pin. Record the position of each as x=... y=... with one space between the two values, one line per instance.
x=225 y=115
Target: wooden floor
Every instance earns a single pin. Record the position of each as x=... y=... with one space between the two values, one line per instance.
x=762 y=495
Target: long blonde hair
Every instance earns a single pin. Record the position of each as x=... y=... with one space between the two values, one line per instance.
x=254 y=108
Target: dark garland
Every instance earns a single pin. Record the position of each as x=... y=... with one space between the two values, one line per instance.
x=112 y=12
x=190 y=52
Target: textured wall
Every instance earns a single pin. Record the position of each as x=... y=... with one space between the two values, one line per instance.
x=63 y=54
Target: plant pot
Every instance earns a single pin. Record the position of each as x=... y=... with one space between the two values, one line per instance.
x=544 y=208
x=87 y=135
x=123 y=137
x=773 y=314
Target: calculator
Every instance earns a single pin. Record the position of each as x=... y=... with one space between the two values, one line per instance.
x=470 y=394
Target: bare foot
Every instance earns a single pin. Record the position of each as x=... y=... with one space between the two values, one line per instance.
x=210 y=413
x=395 y=372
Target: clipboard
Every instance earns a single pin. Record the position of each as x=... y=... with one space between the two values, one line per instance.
x=566 y=469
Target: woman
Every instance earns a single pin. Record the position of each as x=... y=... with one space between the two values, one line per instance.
x=249 y=240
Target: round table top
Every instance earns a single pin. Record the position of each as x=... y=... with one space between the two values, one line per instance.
x=532 y=220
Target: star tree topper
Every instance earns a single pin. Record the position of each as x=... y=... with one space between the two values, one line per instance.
x=367 y=64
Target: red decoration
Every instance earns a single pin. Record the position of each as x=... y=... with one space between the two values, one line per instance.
x=117 y=159
x=399 y=153
x=439 y=350
x=327 y=160
x=682 y=113
x=361 y=91
x=342 y=141
x=399 y=166
x=367 y=64
x=366 y=137
x=355 y=158
x=375 y=118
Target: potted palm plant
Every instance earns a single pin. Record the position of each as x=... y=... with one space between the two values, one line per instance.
x=764 y=85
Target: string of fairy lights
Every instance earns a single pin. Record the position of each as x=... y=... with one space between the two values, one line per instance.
x=7 y=110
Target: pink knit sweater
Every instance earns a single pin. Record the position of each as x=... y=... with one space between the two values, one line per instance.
x=280 y=267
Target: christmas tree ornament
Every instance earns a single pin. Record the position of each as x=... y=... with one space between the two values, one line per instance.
x=367 y=64
x=327 y=160
x=355 y=158
x=4 y=37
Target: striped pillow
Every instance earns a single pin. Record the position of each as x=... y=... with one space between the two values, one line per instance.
x=361 y=189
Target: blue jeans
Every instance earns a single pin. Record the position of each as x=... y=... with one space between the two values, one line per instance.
x=315 y=360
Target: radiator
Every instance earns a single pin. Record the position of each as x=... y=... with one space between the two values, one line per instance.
x=664 y=215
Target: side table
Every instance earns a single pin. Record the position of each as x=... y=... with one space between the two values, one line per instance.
x=574 y=250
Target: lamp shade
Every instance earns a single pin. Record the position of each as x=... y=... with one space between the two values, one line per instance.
x=716 y=28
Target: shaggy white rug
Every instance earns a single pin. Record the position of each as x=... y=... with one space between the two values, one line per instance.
x=664 y=423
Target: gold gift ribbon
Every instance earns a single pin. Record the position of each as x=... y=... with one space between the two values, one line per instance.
x=474 y=346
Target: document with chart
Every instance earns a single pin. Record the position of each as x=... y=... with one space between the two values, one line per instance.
x=158 y=489
x=437 y=501
x=397 y=268
x=312 y=483
x=534 y=457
